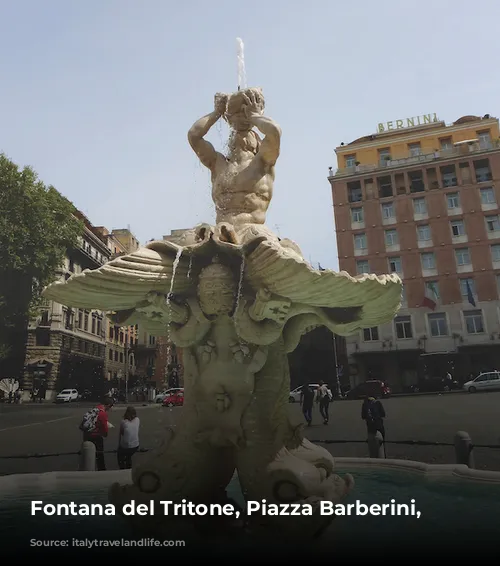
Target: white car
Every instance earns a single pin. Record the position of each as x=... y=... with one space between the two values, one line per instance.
x=67 y=395
x=159 y=398
x=487 y=381
x=295 y=394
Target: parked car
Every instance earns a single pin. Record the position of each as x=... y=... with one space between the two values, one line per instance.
x=87 y=395
x=67 y=395
x=370 y=388
x=175 y=398
x=160 y=396
x=487 y=381
x=295 y=394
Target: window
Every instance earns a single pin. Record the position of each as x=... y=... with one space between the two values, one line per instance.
x=384 y=187
x=453 y=200
x=432 y=289
x=121 y=357
x=350 y=160
x=370 y=334
x=391 y=238
x=488 y=196
x=362 y=266
x=464 y=291
x=354 y=192
x=384 y=155
x=482 y=169
x=449 y=176
x=94 y=320
x=474 y=322
x=438 y=324
x=495 y=252
x=111 y=355
x=457 y=228
x=492 y=223
x=428 y=261
x=360 y=242
x=416 y=181
x=419 y=206
x=403 y=327
x=414 y=149
x=116 y=355
x=446 y=143
x=86 y=322
x=462 y=256
x=357 y=214
x=395 y=265
x=498 y=283
x=423 y=233
x=484 y=139
x=387 y=210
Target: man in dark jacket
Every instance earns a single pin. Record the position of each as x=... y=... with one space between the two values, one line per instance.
x=373 y=413
x=307 y=402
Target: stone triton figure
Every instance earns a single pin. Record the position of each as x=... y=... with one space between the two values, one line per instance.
x=242 y=180
x=236 y=300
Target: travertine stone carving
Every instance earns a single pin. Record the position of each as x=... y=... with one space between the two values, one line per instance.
x=248 y=299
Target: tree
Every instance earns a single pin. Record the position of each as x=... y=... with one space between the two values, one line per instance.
x=37 y=226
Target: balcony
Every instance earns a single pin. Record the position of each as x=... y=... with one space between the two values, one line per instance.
x=413 y=160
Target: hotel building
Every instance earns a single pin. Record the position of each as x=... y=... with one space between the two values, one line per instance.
x=420 y=198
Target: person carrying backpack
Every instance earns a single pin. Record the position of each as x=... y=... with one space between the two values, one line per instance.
x=95 y=426
x=373 y=413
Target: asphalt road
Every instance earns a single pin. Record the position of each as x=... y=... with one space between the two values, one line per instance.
x=36 y=429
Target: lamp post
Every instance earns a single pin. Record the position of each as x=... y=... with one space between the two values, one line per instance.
x=126 y=367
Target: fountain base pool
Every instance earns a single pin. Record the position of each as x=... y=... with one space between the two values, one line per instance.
x=459 y=512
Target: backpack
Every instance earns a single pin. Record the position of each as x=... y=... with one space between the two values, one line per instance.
x=372 y=413
x=89 y=421
x=329 y=393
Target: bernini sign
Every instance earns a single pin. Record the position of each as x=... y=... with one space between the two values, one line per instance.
x=408 y=122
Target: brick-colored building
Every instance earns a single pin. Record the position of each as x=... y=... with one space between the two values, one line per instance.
x=420 y=198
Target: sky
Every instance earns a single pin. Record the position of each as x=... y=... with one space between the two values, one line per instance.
x=98 y=95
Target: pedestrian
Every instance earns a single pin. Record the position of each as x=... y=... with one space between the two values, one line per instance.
x=128 y=442
x=373 y=413
x=95 y=429
x=307 y=402
x=324 y=396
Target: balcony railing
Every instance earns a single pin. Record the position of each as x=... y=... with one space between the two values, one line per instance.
x=457 y=151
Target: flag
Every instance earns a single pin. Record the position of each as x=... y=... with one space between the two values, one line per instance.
x=430 y=298
x=470 y=296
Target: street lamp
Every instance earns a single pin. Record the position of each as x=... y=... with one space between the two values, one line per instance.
x=126 y=367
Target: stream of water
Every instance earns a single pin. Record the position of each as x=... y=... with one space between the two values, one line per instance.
x=242 y=75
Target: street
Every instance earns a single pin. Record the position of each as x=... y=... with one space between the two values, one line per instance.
x=53 y=429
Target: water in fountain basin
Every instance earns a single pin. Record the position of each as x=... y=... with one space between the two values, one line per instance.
x=242 y=77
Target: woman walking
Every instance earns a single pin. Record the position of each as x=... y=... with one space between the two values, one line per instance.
x=128 y=443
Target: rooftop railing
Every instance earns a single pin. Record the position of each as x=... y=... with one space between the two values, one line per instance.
x=461 y=150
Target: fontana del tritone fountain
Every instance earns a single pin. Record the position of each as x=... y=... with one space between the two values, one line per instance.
x=236 y=299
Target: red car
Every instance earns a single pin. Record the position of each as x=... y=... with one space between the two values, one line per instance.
x=174 y=399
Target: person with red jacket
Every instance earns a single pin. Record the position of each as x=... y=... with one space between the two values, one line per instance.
x=99 y=431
